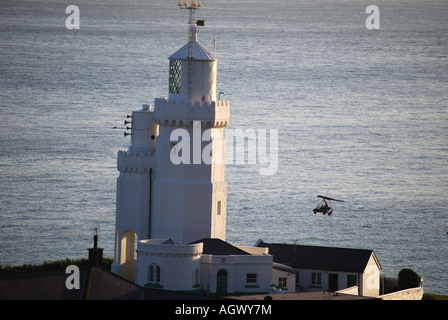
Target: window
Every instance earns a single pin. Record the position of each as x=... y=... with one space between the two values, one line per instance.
x=154 y=273
x=219 y=208
x=221 y=282
x=251 y=278
x=316 y=278
x=352 y=280
x=298 y=286
x=196 y=278
x=175 y=76
x=282 y=282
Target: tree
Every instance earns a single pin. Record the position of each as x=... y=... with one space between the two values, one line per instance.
x=408 y=278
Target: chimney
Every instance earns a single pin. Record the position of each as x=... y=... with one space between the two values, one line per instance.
x=95 y=254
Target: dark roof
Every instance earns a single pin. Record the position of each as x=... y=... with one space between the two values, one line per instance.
x=170 y=241
x=325 y=258
x=96 y=284
x=219 y=247
x=37 y=286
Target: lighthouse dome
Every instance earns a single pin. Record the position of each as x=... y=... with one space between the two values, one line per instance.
x=199 y=52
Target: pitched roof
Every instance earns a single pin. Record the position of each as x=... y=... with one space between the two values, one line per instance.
x=219 y=247
x=170 y=241
x=198 y=50
x=96 y=284
x=325 y=258
x=38 y=286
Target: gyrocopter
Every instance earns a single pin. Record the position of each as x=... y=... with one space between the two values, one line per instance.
x=323 y=205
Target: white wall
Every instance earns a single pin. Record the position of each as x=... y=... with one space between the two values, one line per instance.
x=368 y=282
x=305 y=279
x=188 y=190
x=177 y=263
x=237 y=268
x=280 y=271
x=408 y=294
x=370 y=279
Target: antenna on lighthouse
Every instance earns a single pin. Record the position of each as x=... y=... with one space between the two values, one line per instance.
x=192 y=32
x=192 y=36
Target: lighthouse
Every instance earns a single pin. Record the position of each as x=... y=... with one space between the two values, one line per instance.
x=190 y=190
x=171 y=189
x=171 y=203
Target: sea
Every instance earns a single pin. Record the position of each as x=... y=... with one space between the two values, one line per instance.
x=361 y=115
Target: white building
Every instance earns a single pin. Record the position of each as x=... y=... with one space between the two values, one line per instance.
x=166 y=264
x=172 y=193
x=329 y=268
x=172 y=198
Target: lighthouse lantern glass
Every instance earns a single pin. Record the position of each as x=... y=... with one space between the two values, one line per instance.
x=175 y=76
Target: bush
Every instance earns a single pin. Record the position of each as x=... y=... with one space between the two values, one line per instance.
x=58 y=265
x=408 y=278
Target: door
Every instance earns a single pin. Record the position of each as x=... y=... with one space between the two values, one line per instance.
x=352 y=280
x=332 y=282
x=221 y=282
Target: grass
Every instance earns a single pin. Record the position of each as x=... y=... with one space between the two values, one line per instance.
x=432 y=296
x=58 y=265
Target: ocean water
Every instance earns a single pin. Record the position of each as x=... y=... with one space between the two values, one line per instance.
x=362 y=115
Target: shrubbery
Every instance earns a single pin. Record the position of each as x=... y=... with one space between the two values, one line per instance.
x=58 y=265
x=408 y=278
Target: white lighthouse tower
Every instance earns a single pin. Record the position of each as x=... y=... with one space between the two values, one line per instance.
x=172 y=178
x=190 y=190
x=134 y=190
x=172 y=193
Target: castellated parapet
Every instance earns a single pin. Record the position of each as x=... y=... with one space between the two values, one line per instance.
x=212 y=114
x=135 y=161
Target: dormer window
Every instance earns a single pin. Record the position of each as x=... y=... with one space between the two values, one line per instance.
x=175 y=76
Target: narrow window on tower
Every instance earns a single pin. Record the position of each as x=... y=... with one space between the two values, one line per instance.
x=175 y=76
x=218 y=209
